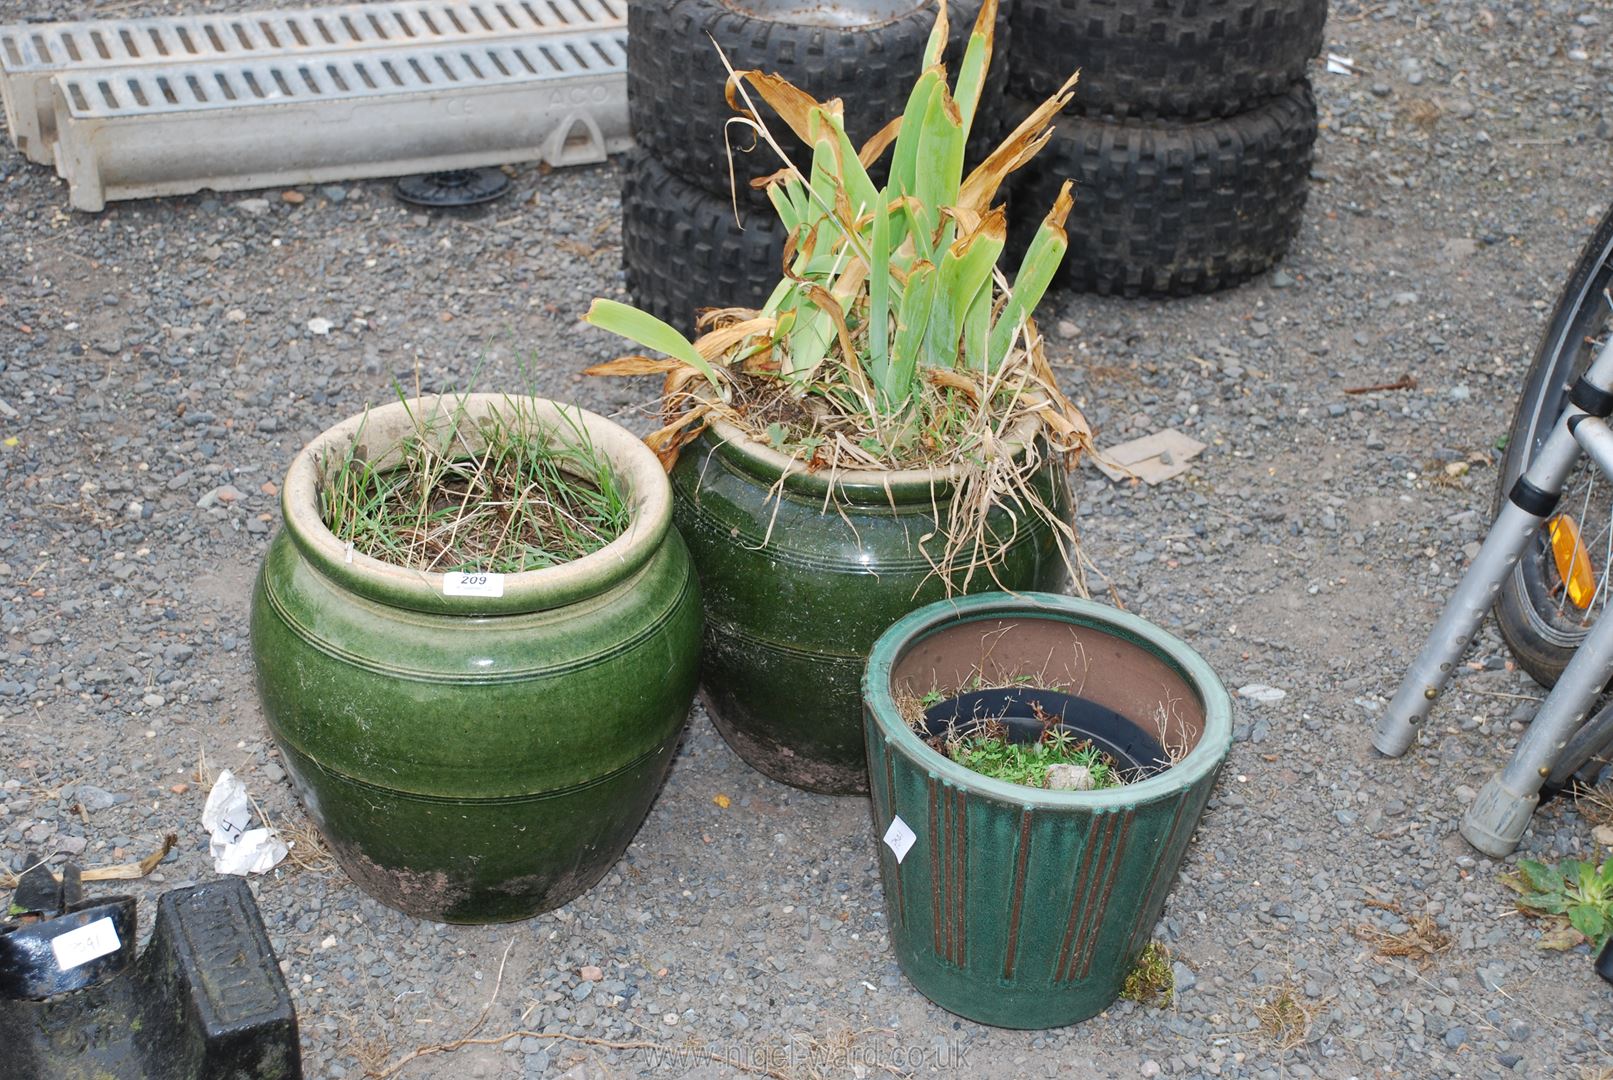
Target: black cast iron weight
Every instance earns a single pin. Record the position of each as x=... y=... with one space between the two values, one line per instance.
x=453 y=188
x=204 y=1001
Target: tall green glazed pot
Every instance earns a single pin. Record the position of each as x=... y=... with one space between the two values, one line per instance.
x=477 y=758
x=802 y=571
x=1017 y=906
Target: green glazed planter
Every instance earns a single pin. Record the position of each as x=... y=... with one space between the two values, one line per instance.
x=1017 y=906
x=477 y=758
x=799 y=582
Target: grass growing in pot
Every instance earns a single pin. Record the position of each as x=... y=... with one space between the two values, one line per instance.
x=476 y=750
x=893 y=340
x=984 y=742
x=985 y=745
x=987 y=750
x=502 y=495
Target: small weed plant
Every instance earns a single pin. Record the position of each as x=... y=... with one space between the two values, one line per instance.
x=1575 y=895
x=502 y=494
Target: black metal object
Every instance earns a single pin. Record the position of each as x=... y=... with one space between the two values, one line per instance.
x=1027 y=712
x=52 y=941
x=455 y=187
x=40 y=893
x=1604 y=961
x=204 y=1001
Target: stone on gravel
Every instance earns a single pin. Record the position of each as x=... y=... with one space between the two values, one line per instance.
x=1066 y=777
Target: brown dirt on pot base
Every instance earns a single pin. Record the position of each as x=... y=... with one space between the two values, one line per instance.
x=424 y=894
x=783 y=764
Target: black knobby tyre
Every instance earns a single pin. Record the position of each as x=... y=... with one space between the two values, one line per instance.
x=1175 y=209
x=1181 y=59
x=683 y=251
x=1539 y=631
x=675 y=78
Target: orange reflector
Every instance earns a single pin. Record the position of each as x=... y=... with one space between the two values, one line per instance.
x=1573 y=561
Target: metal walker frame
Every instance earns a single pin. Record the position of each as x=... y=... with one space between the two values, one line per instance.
x=1560 y=738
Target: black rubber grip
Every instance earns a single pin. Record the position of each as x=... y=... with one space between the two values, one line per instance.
x=1526 y=496
x=1591 y=399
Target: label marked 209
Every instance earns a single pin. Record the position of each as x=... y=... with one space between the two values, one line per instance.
x=89 y=942
x=461 y=584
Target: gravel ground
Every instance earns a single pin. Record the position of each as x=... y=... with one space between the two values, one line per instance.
x=158 y=372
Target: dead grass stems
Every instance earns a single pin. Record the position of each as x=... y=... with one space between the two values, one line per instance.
x=502 y=493
x=1421 y=941
x=1595 y=805
x=471 y=1038
x=306 y=847
x=1286 y=1018
x=129 y=871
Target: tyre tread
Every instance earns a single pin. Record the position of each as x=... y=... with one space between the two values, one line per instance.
x=675 y=79
x=1173 y=209
x=1179 y=59
x=682 y=250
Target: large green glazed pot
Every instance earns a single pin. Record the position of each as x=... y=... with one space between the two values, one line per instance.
x=801 y=573
x=477 y=758
x=1017 y=906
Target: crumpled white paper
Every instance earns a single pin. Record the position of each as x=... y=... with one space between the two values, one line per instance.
x=235 y=848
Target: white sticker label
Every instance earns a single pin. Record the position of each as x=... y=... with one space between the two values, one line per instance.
x=85 y=944
x=899 y=838
x=458 y=584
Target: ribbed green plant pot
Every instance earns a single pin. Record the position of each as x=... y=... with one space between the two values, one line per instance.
x=799 y=581
x=476 y=758
x=1016 y=906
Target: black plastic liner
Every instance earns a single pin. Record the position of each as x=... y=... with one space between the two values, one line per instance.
x=1133 y=750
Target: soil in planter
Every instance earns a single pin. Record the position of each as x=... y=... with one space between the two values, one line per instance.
x=505 y=496
x=943 y=425
x=1018 y=733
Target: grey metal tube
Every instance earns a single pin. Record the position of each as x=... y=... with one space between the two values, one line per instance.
x=1472 y=600
x=1514 y=527
x=1500 y=812
x=1496 y=820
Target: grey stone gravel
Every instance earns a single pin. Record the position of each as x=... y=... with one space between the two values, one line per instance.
x=168 y=372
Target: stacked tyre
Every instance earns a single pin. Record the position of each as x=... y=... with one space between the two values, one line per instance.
x=1189 y=139
x=692 y=236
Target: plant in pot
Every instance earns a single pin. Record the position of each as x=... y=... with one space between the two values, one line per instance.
x=476 y=640
x=884 y=431
x=1039 y=765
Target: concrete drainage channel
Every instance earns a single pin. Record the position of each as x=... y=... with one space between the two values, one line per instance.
x=130 y=109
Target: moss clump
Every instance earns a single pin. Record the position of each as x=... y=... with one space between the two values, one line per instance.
x=1151 y=981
